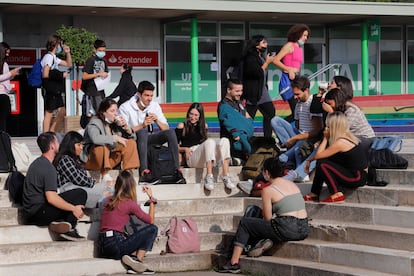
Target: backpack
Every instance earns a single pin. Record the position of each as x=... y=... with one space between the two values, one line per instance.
x=262 y=149
x=161 y=163
x=182 y=235
x=15 y=180
x=34 y=78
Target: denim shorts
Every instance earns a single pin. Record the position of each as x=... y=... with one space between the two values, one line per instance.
x=290 y=228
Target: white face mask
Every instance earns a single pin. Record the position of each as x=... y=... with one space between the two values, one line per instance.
x=108 y=121
x=300 y=42
x=142 y=103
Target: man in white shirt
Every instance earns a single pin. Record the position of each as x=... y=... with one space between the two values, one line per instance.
x=141 y=113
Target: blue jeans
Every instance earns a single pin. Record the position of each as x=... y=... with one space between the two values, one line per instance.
x=300 y=169
x=119 y=244
x=279 y=229
x=292 y=156
x=283 y=129
x=144 y=139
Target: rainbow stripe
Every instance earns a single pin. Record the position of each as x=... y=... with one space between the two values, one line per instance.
x=378 y=109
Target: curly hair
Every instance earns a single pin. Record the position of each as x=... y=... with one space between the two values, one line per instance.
x=296 y=31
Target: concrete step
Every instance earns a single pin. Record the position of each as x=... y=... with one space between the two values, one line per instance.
x=275 y=266
x=381 y=236
x=96 y=266
x=358 y=213
x=384 y=260
x=400 y=177
x=47 y=250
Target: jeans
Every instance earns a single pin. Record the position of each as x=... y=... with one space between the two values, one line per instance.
x=283 y=129
x=144 y=139
x=119 y=244
x=48 y=213
x=300 y=169
x=292 y=156
x=279 y=229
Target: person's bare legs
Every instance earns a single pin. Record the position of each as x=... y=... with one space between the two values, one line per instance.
x=225 y=167
x=235 y=258
x=60 y=117
x=47 y=119
x=209 y=166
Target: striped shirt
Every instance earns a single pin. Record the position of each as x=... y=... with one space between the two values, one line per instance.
x=304 y=116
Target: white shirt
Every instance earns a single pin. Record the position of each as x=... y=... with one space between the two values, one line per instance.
x=135 y=116
x=51 y=60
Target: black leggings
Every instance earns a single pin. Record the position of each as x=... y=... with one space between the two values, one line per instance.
x=334 y=174
x=48 y=213
x=268 y=111
x=4 y=111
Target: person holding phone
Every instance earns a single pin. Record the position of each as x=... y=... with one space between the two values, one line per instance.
x=5 y=76
x=53 y=81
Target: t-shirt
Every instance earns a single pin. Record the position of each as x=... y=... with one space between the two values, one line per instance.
x=304 y=116
x=119 y=217
x=190 y=139
x=51 y=60
x=93 y=65
x=40 y=178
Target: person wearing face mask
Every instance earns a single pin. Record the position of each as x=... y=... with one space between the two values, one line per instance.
x=109 y=141
x=290 y=59
x=95 y=67
x=53 y=81
x=255 y=91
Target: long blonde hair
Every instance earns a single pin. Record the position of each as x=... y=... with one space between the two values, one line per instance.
x=339 y=127
x=125 y=189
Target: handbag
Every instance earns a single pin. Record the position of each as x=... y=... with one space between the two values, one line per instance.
x=391 y=142
x=182 y=235
x=386 y=159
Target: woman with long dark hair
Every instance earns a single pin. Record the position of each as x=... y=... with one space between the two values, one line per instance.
x=109 y=141
x=113 y=242
x=71 y=171
x=255 y=91
x=5 y=76
x=198 y=150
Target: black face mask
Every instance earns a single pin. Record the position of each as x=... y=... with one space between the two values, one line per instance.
x=263 y=50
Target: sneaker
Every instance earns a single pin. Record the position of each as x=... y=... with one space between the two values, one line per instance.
x=246 y=186
x=60 y=227
x=133 y=264
x=148 y=179
x=148 y=272
x=209 y=182
x=72 y=235
x=228 y=183
x=260 y=247
x=291 y=175
x=236 y=161
x=228 y=267
x=179 y=178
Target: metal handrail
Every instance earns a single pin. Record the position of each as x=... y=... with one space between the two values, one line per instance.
x=323 y=69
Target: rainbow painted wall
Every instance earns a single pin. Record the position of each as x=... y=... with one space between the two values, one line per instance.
x=380 y=111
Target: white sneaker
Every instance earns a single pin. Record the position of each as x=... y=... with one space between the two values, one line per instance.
x=291 y=175
x=209 y=182
x=227 y=182
x=246 y=186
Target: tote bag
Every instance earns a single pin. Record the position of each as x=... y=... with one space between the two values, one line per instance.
x=182 y=236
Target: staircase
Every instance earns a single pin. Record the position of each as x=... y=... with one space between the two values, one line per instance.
x=371 y=234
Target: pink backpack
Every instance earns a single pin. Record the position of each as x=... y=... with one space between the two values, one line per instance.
x=182 y=235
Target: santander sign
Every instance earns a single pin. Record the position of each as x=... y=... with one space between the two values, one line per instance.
x=134 y=58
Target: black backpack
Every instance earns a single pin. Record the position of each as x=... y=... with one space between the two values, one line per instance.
x=15 y=180
x=161 y=163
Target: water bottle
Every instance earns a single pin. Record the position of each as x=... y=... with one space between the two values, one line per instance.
x=149 y=127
